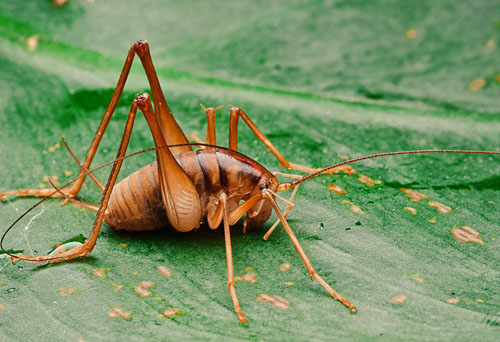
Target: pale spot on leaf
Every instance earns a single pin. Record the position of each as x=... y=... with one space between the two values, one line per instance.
x=100 y=273
x=347 y=169
x=170 y=312
x=365 y=180
x=68 y=173
x=368 y=181
x=142 y=291
x=118 y=313
x=146 y=284
x=164 y=271
x=411 y=210
x=477 y=84
x=124 y=245
x=66 y=291
x=248 y=277
x=336 y=189
x=117 y=287
x=356 y=210
x=479 y=301
x=452 y=301
x=440 y=207
x=490 y=42
x=411 y=34
x=142 y=288
x=467 y=234
x=289 y=283
x=276 y=301
x=2 y=307
x=432 y=220
x=32 y=43
x=417 y=278
x=399 y=299
x=285 y=267
x=58 y=3
x=415 y=196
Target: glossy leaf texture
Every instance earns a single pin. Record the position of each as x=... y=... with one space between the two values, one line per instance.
x=324 y=81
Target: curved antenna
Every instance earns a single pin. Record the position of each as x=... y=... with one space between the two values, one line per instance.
x=290 y=185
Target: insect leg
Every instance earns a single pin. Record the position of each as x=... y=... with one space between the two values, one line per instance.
x=167 y=121
x=196 y=138
x=289 y=207
x=233 y=140
x=90 y=242
x=303 y=255
x=94 y=178
x=169 y=127
x=210 y=111
x=75 y=188
x=234 y=115
x=75 y=201
x=229 y=259
x=171 y=131
x=241 y=210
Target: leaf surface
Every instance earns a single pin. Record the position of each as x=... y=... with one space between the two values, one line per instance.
x=322 y=81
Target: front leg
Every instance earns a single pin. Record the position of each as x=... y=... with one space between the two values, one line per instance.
x=229 y=259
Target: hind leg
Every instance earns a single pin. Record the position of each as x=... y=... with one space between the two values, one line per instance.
x=168 y=125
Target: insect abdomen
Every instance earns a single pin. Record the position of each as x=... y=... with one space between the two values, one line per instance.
x=136 y=203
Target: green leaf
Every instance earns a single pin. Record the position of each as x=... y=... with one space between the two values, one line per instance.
x=323 y=80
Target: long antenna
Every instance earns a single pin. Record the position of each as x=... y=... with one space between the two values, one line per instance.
x=290 y=185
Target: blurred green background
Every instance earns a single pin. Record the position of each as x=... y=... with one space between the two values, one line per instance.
x=323 y=80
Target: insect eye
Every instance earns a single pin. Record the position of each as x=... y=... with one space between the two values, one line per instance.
x=264 y=186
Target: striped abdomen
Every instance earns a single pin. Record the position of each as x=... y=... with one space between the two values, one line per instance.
x=136 y=202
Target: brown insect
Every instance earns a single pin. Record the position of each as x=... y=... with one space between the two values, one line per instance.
x=185 y=187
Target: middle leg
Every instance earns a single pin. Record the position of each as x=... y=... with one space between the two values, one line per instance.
x=236 y=113
x=211 y=138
